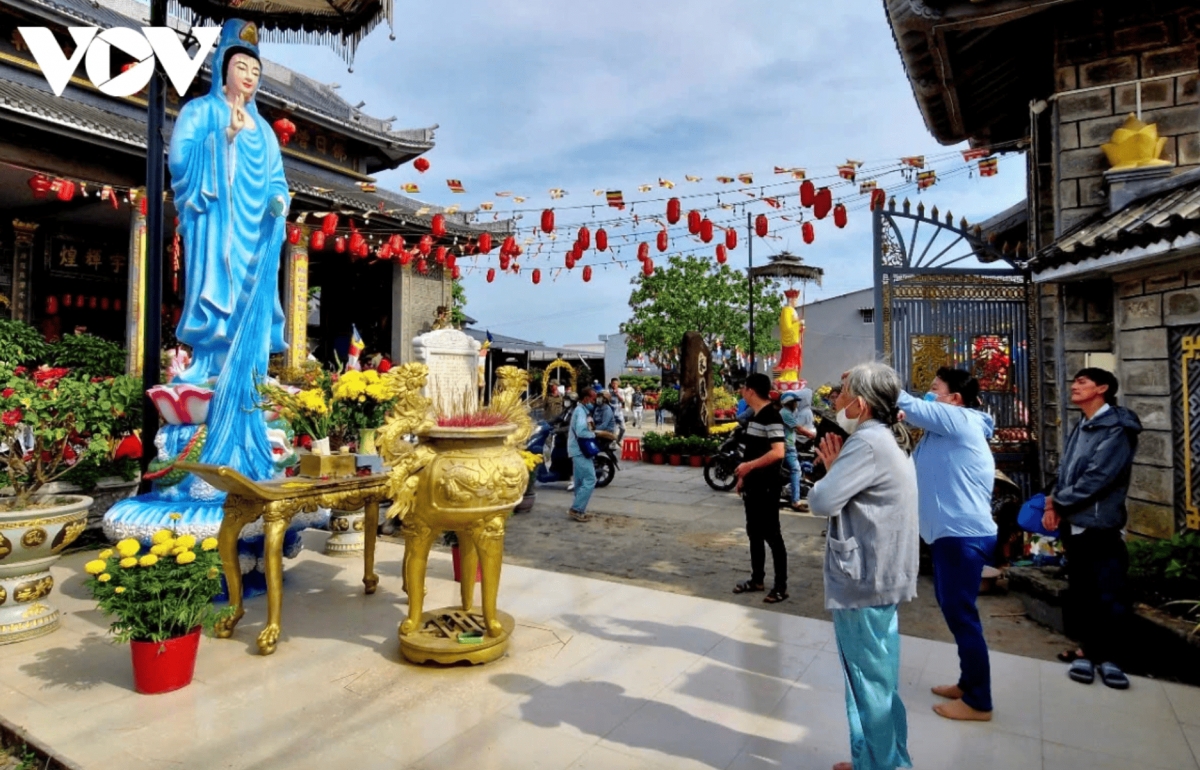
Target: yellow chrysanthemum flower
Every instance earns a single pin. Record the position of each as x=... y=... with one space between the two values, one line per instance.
x=209 y=544
x=187 y=557
x=129 y=561
x=175 y=516
x=186 y=541
x=105 y=554
x=128 y=547
x=119 y=590
x=104 y=578
x=162 y=536
x=95 y=567
x=149 y=560
x=213 y=572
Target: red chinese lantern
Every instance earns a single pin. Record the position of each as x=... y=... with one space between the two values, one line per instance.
x=40 y=185
x=396 y=243
x=422 y=267
x=66 y=190
x=601 y=240
x=339 y=244
x=509 y=246
x=673 y=211
x=878 y=198
x=730 y=238
x=760 y=225
x=384 y=251
x=570 y=260
x=808 y=194
x=504 y=260
x=548 y=221
x=451 y=262
x=92 y=302
x=693 y=222
x=117 y=305
x=648 y=267
x=706 y=230
x=721 y=255
x=485 y=243
x=421 y=165
x=293 y=234
x=438 y=225
x=584 y=239
x=104 y=304
x=491 y=274
x=329 y=224
x=808 y=232
x=52 y=305
x=537 y=275
x=663 y=241
x=316 y=241
x=643 y=251
x=839 y=215
x=455 y=273
x=824 y=203
x=357 y=243
x=425 y=245
x=66 y=300
x=284 y=129
x=587 y=273
x=440 y=255
x=405 y=257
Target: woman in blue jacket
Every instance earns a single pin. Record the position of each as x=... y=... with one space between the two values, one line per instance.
x=955 y=475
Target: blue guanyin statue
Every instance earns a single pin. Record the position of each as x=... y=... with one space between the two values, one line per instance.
x=231 y=198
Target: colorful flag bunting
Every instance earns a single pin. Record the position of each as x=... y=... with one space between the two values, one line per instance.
x=726 y=179
x=867 y=185
x=691 y=178
x=557 y=192
x=423 y=211
x=505 y=194
x=598 y=193
x=410 y=187
x=487 y=205
x=366 y=187
x=746 y=178
x=772 y=202
x=667 y=183
x=847 y=171
x=519 y=199
x=914 y=161
x=453 y=209
x=975 y=153
x=455 y=186
x=926 y=179
x=989 y=166
x=615 y=199
x=645 y=187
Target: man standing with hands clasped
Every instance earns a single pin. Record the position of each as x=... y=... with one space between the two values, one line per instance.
x=955 y=475
x=760 y=485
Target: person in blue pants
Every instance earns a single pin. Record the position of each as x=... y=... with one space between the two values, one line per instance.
x=955 y=475
x=585 y=467
x=796 y=411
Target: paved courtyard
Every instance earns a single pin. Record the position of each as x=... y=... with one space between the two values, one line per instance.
x=601 y=675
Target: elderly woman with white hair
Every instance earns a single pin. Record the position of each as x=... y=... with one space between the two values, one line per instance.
x=870 y=496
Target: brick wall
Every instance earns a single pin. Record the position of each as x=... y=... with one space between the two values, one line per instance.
x=415 y=300
x=1104 y=47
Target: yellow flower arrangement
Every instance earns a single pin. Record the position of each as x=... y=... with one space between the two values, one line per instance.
x=532 y=461
x=129 y=561
x=185 y=541
x=187 y=557
x=149 y=560
x=162 y=536
x=104 y=577
x=313 y=401
x=209 y=544
x=128 y=547
x=162 y=549
x=722 y=429
x=95 y=567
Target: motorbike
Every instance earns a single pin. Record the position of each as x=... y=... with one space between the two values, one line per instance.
x=719 y=472
x=549 y=440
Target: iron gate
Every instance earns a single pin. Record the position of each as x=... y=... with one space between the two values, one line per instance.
x=947 y=296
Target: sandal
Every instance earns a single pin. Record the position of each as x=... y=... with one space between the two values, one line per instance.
x=1113 y=676
x=748 y=586
x=1082 y=671
x=775 y=596
x=1070 y=656
x=577 y=516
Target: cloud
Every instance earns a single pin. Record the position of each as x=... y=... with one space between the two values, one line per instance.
x=535 y=94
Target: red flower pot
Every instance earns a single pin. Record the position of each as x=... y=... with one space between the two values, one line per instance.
x=457 y=561
x=675 y=459
x=657 y=458
x=160 y=667
x=697 y=461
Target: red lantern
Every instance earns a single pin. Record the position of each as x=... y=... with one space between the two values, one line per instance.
x=878 y=198
x=284 y=129
x=537 y=275
x=451 y=262
x=117 y=304
x=92 y=302
x=339 y=244
x=808 y=194
x=316 y=241
x=104 y=304
x=440 y=255
x=438 y=225
x=293 y=234
x=425 y=245
x=66 y=189
x=548 y=221
x=839 y=215
x=570 y=260
x=52 y=305
x=422 y=267
x=721 y=255
x=40 y=185
x=584 y=239
x=509 y=246
x=760 y=225
x=329 y=224
x=66 y=300
x=662 y=241
x=706 y=230
x=643 y=251
x=455 y=273
x=485 y=243
x=504 y=260
x=357 y=243
x=648 y=267
x=384 y=251
x=396 y=243
x=421 y=165
x=823 y=204
x=730 y=238
x=587 y=273
x=693 y=222
x=405 y=257
x=491 y=274
x=807 y=231
x=673 y=211
x=601 y=240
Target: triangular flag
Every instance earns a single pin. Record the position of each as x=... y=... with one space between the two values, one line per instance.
x=691 y=178
x=667 y=183
x=746 y=178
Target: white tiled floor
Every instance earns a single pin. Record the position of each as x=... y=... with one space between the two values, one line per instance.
x=600 y=676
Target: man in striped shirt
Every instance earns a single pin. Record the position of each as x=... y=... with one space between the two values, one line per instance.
x=760 y=484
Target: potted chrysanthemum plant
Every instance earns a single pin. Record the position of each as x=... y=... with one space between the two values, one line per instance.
x=159 y=601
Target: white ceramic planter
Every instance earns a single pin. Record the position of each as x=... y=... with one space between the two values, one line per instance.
x=346 y=537
x=30 y=543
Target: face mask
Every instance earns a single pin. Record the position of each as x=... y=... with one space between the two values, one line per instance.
x=848 y=424
x=931 y=396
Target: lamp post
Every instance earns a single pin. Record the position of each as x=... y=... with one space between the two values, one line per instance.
x=750 y=283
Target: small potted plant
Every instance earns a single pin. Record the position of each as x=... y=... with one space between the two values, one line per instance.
x=675 y=449
x=159 y=601
x=653 y=447
x=697 y=451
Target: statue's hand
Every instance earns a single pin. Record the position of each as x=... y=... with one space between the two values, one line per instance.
x=237 y=117
x=278 y=206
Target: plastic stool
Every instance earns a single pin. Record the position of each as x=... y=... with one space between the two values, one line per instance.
x=631 y=449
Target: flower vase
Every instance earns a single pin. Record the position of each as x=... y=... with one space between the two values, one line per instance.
x=160 y=667
x=366 y=442
x=320 y=446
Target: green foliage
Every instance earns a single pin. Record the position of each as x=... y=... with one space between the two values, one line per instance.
x=458 y=300
x=1165 y=570
x=163 y=595
x=21 y=344
x=665 y=443
x=89 y=354
x=96 y=466
x=695 y=294
x=643 y=381
x=668 y=400
x=655 y=443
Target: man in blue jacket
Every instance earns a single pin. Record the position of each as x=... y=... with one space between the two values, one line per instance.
x=955 y=474
x=1087 y=506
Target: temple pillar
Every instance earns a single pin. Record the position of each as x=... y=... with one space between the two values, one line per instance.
x=295 y=301
x=135 y=315
x=22 y=264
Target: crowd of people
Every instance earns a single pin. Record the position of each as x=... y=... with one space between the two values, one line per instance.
x=881 y=502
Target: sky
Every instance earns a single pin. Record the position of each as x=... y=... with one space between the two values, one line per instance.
x=531 y=95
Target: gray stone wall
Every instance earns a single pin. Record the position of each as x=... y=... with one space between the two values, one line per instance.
x=415 y=300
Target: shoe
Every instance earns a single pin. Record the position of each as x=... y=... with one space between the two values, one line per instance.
x=1082 y=671
x=577 y=516
x=1113 y=676
x=571 y=486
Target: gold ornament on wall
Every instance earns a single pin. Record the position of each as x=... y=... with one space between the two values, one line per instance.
x=1135 y=145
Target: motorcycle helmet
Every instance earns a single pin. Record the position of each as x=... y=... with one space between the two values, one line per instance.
x=789 y=397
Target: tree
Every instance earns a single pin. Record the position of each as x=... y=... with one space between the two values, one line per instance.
x=458 y=300
x=696 y=294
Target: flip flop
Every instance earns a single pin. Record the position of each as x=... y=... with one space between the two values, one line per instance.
x=748 y=586
x=1113 y=676
x=1082 y=671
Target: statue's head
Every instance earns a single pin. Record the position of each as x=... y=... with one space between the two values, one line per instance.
x=793 y=296
x=241 y=65
x=241 y=75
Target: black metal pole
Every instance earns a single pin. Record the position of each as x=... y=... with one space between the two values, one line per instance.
x=750 y=276
x=152 y=304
